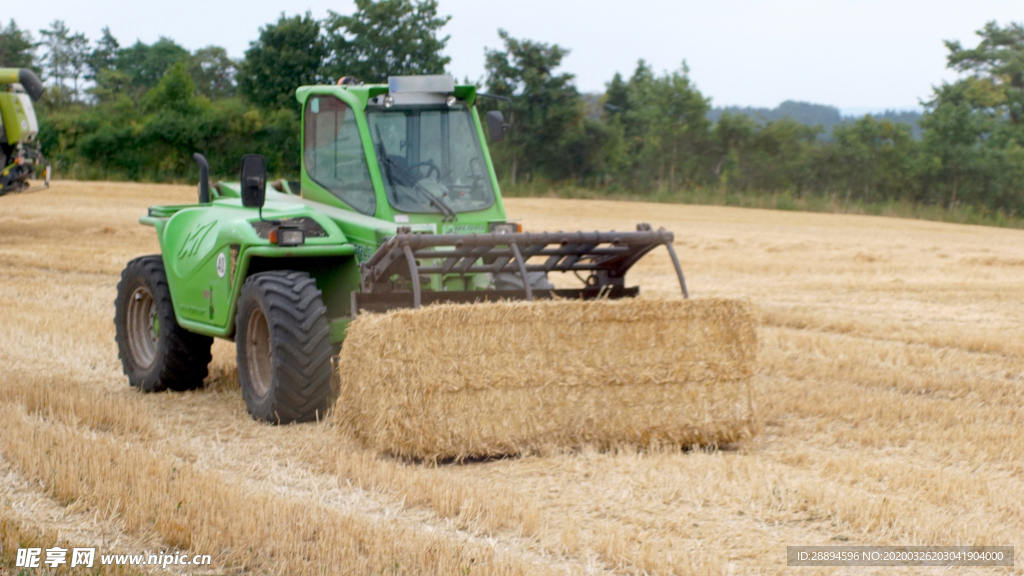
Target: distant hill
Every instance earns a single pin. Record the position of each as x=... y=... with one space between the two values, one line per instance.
x=813 y=114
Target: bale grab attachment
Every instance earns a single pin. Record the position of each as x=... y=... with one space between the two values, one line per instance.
x=404 y=258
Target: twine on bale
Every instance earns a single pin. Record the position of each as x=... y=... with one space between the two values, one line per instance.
x=459 y=381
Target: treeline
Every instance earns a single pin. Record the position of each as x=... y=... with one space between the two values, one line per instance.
x=139 y=111
x=653 y=134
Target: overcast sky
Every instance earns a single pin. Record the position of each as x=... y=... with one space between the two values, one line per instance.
x=857 y=55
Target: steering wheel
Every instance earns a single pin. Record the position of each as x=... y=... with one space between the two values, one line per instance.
x=431 y=167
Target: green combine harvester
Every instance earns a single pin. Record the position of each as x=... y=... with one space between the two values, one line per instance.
x=19 y=152
x=397 y=206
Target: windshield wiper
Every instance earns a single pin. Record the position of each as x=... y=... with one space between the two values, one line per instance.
x=384 y=156
x=435 y=201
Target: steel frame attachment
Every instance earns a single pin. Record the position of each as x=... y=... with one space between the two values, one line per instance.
x=407 y=256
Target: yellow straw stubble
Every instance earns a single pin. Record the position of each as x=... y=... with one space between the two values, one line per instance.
x=473 y=380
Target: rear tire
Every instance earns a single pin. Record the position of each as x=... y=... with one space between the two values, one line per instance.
x=283 y=343
x=156 y=354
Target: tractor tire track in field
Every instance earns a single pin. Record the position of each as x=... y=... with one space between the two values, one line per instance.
x=27 y=512
x=216 y=433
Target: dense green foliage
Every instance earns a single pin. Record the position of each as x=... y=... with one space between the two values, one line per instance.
x=288 y=54
x=386 y=38
x=548 y=117
x=149 y=108
x=139 y=111
x=16 y=47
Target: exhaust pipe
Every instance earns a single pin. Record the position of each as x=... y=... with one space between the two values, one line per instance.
x=204 y=178
x=30 y=82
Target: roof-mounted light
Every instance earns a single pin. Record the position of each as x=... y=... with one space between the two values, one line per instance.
x=428 y=83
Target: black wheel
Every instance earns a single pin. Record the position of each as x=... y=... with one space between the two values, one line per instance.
x=156 y=353
x=283 y=343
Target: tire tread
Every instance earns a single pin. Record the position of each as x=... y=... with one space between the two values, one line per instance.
x=183 y=357
x=300 y=346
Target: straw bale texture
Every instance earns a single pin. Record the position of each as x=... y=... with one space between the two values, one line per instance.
x=457 y=381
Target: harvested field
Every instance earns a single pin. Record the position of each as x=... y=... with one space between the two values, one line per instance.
x=890 y=385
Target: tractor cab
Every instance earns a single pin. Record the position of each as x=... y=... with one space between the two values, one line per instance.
x=411 y=151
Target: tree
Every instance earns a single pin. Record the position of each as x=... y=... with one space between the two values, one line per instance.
x=146 y=64
x=548 y=111
x=176 y=119
x=17 y=49
x=287 y=55
x=973 y=130
x=103 y=56
x=112 y=85
x=65 y=57
x=999 y=59
x=731 y=136
x=175 y=92
x=386 y=38
x=616 y=97
x=213 y=72
x=664 y=126
x=676 y=118
x=955 y=125
x=874 y=159
x=778 y=156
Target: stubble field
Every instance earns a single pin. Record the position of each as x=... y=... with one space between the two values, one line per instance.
x=890 y=392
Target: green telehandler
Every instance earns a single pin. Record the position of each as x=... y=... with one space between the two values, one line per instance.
x=19 y=151
x=397 y=206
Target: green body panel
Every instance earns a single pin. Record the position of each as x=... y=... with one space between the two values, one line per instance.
x=210 y=249
x=9 y=75
x=19 y=117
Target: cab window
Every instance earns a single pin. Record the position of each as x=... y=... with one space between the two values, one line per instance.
x=334 y=155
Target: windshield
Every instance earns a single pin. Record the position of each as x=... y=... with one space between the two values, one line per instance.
x=431 y=159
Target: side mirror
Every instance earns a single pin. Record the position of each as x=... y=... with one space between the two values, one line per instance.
x=496 y=126
x=254 y=180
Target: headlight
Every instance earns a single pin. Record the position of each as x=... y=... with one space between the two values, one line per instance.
x=506 y=227
x=287 y=237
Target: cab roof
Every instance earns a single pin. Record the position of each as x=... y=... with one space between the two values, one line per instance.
x=364 y=92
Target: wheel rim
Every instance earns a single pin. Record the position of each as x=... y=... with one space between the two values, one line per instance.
x=143 y=327
x=257 y=352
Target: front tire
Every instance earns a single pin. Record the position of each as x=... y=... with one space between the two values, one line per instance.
x=283 y=344
x=156 y=354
